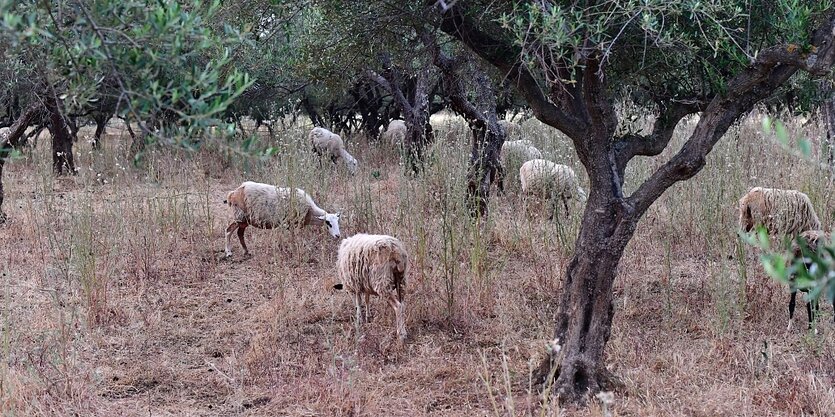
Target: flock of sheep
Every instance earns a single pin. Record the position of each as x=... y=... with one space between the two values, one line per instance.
x=378 y=264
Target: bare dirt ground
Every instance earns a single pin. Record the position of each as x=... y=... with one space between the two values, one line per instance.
x=117 y=300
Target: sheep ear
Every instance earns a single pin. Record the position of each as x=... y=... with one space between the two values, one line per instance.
x=321 y=217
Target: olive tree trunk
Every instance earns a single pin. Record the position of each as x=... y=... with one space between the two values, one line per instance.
x=62 y=157
x=413 y=103
x=476 y=102
x=11 y=141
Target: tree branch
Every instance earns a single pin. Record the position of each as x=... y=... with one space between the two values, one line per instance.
x=772 y=68
x=505 y=57
x=672 y=111
x=396 y=93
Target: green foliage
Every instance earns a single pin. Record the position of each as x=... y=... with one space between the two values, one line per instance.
x=672 y=49
x=812 y=272
x=148 y=60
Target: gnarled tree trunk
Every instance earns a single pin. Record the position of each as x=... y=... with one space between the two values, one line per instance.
x=10 y=142
x=414 y=106
x=101 y=122
x=478 y=106
x=62 y=157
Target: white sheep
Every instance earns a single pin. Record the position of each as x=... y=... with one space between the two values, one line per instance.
x=374 y=265
x=513 y=154
x=544 y=178
x=395 y=134
x=328 y=143
x=265 y=206
x=520 y=150
x=511 y=129
x=781 y=212
x=813 y=240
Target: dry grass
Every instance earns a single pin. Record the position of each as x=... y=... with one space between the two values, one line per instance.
x=115 y=299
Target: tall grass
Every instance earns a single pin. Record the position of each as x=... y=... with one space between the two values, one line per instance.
x=123 y=277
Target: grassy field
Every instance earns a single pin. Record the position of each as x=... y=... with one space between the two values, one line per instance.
x=116 y=299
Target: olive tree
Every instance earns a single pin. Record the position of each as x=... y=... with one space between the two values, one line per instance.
x=161 y=64
x=574 y=61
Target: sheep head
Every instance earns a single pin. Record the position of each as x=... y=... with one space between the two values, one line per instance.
x=751 y=209
x=331 y=222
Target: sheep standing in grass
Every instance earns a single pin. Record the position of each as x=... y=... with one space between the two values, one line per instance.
x=547 y=179
x=265 y=206
x=395 y=134
x=513 y=154
x=374 y=265
x=328 y=143
x=781 y=212
x=812 y=239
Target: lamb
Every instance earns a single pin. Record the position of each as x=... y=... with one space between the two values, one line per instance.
x=781 y=212
x=374 y=265
x=514 y=153
x=548 y=179
x=326 y=142
x=265 y=206
x=812 y=239
x=395 y=134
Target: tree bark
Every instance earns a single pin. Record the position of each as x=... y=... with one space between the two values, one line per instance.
x=11 y=141
x=369 y=104
x=413 y=102
x=828 y=113
x=101 y=123
x=480 y=111
x=62 y=157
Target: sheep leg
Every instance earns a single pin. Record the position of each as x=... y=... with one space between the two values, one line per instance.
x=814 y=311
x=399 y=317
x=792 y=302
x=358 y=302
x=229 y=229
x=241 y=228
x=367 y=307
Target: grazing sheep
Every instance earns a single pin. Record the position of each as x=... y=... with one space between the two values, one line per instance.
x=812 y=239
x=326 y=142
x=512 y=129
x=265 y=206
x=374 y=265
x=782 y=212
x=395 y=134
x=513 y=154
x=545 y=178
x=519 y=150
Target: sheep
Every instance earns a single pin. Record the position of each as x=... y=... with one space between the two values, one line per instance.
x=812 y=239
x=511 y=129
x=265 y=206
x=395 y=134
x=513 y=154
x=782 y=212
x=549 y=179
x=374 y=265
x=326 y=142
